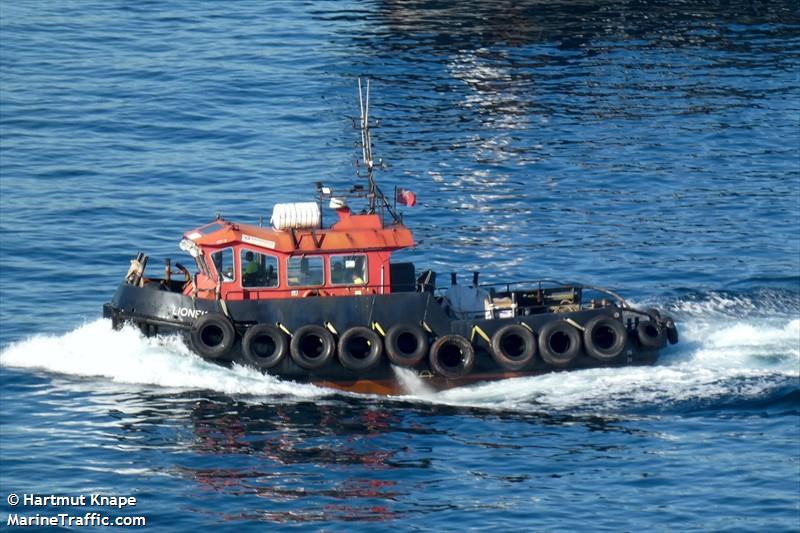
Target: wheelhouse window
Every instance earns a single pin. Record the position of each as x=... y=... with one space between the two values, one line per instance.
x=349 y=269
x=223 y=263
x=258 y=270
x=305 y=271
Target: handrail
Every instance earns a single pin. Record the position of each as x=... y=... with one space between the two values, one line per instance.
x=529 y=281
x=539 y=282
x=562 y=284
x=375 y=288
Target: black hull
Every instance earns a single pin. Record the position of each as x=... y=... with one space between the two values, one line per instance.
x=163 y=312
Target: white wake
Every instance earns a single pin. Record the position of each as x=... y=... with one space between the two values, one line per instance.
x=126 y=356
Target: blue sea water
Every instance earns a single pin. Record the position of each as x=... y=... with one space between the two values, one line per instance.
x=650 y=147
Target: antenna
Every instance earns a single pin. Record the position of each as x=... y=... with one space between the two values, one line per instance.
x=366 y=143
x=374 y=193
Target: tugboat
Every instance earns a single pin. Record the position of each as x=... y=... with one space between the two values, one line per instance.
x=329 y=306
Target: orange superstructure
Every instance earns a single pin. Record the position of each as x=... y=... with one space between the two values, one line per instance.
x=351 y=257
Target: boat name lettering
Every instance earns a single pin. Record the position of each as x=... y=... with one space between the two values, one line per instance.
x=185 y=312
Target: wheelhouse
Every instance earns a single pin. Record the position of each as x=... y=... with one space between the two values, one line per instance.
x=244 y=262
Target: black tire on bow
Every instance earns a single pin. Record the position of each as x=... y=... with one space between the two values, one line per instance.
x=212 y=336
x=264 y=346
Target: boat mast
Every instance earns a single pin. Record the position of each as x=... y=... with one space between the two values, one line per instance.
x=366 y=143
x=374 y=192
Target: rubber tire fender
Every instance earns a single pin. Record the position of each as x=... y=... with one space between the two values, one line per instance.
x=250 y=351
x=440 y=352
x=212 y=336
x=500 y=352
x=351 y=361
x=651 y=335
x=672 y=330
x=300 y=343
x=559 y=331
x=595 y=336
x=396 y=338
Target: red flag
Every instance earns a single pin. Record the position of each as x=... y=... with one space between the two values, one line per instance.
x=406 y=198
